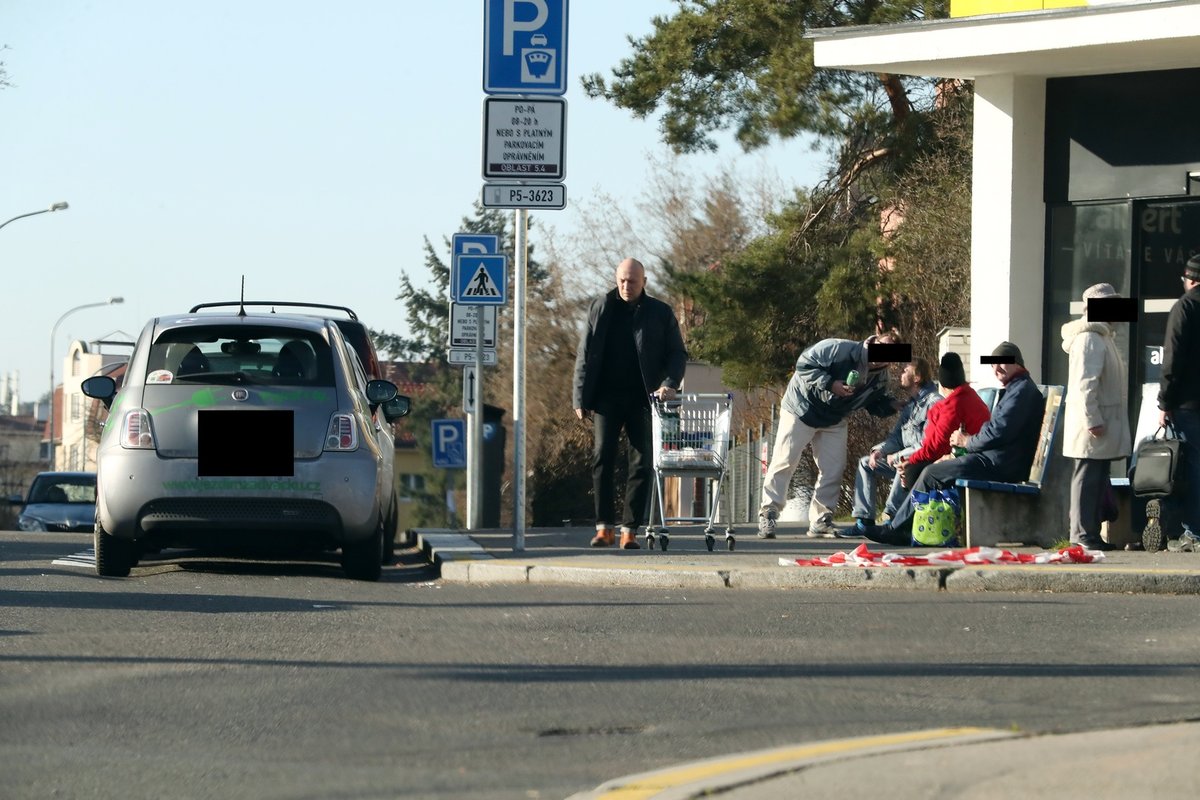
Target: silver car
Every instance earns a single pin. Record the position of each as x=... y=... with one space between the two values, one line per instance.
x=245 y=428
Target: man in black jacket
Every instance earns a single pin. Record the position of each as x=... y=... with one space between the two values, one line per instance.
x=630 y=349
x=1003 y=450
x=1179 y=396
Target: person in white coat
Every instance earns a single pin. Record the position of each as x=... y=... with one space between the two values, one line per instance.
x=1095 y=416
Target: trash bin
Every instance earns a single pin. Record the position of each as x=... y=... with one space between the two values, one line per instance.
x=494 y=437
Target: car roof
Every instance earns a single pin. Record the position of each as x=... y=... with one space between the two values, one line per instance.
x=301 y=321
x=68 y=474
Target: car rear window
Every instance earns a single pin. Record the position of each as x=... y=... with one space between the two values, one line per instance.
x=63 y=489
x=268 y=356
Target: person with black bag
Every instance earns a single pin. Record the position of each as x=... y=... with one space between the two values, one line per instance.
x=1095 y=414
x=1179 y=399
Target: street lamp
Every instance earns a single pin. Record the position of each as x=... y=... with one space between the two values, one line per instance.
x=55 y=207
x=54 y=330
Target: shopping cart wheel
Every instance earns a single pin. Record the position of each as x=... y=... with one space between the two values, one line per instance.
x=649 y=539
x=665 y=541
x=730 y=542
x=710 y=541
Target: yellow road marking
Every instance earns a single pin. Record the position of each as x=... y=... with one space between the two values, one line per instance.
x=651 y=785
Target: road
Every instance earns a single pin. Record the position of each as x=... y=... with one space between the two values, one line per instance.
x=200 y=677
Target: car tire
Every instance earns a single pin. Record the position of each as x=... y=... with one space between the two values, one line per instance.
x=363 y=561
x=114 y=557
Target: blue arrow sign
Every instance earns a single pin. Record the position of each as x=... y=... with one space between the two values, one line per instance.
x=479 y=280
x=450 y=443
x=525 y=46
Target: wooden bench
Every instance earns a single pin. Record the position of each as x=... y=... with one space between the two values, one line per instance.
x=1035 y=511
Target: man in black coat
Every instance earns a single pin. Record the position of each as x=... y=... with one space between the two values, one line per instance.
x=1003 y=450
x=1179 y=396
x=631 y=349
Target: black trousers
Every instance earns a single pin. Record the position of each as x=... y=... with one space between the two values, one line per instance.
x=614 y=413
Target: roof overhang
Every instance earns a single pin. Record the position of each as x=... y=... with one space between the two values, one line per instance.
x=1137 y=36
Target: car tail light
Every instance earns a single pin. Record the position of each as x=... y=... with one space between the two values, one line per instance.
x=343 y=433
x=135 y=430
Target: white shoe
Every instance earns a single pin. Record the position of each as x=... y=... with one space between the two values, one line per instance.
x=823 y=528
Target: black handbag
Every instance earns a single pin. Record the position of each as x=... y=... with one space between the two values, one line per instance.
x=1157 y=464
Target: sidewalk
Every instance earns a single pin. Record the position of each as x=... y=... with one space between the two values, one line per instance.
x=562 y=556
x=1151 y=761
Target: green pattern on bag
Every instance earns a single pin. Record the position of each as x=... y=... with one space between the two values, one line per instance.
x=935 y=518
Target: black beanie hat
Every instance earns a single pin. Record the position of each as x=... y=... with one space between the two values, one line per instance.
x=1009 y=349
x=1191 y=270
x=950 y=371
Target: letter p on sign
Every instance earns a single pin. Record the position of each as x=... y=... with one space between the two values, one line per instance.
x=511 y=25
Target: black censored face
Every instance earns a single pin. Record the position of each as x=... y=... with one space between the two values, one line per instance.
x=888 y=352
x=1112 y=309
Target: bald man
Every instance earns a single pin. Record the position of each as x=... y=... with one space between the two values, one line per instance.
x=631 y=349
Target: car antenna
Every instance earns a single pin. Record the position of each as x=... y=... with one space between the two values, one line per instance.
x=242 y=300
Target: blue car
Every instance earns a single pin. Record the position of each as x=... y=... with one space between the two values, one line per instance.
x=58 y=501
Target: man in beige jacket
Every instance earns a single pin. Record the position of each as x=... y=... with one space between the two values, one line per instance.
x=1095 y=415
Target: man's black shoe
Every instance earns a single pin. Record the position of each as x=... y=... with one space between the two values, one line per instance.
x=1094 y=543
x=886 y=534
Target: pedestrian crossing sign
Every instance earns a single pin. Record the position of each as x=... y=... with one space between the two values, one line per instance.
x=480 y=280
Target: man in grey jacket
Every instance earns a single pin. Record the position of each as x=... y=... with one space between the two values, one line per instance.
x=813 y=412
x=630 y=349
x=905 y=439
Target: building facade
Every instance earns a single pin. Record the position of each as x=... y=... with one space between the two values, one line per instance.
x=1086 y=160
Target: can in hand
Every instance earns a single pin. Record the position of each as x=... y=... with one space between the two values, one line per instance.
x=852 y=378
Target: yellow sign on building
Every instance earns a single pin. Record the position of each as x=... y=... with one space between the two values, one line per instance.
x=973 y=8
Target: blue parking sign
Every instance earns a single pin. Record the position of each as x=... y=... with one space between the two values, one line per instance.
x=525 y=46
x=450 y=443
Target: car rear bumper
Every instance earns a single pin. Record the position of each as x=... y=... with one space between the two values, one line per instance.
x=335 y=496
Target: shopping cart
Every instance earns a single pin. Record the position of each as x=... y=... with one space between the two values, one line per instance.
x=691 y=439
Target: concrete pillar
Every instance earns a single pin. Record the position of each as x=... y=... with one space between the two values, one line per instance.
x=1008 y=220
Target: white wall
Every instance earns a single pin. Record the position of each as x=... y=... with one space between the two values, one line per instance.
x=1007 y=220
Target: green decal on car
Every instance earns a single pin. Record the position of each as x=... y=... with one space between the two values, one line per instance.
x=205 y=398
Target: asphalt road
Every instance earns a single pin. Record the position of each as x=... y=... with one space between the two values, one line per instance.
x=200 y=677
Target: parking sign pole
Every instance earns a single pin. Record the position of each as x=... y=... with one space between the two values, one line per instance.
x=521 y=219
x=475 y=420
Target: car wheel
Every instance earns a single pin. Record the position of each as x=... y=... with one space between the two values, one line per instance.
x=114 y=557
x=363 y=560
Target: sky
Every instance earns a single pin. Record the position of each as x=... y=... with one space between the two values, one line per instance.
x=309 y=146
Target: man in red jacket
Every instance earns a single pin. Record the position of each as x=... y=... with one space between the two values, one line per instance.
x=961 y=408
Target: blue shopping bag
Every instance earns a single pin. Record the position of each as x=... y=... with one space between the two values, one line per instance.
x=935 y=518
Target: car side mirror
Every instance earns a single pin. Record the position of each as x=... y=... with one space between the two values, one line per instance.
x=15 y=500
x=379 y=392
x=100 y=387
x=399 y=406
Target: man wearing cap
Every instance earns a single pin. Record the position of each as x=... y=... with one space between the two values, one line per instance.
x=1179 y=396
x=1003 y=450
x=814 y=408
x=1095 y=414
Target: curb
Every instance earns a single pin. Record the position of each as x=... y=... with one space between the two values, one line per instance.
x=460 y=559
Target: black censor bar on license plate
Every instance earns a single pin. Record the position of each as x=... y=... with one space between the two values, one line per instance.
x=245 y=443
